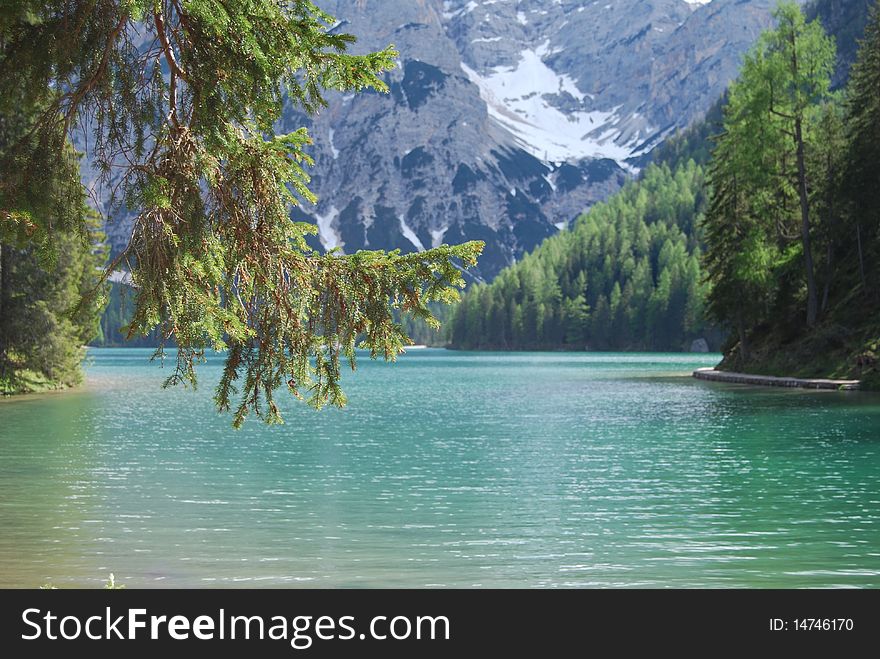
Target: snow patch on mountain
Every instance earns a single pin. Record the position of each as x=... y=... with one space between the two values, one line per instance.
x=333 y=148
x=519 y=98
x=437 y=236
x=327 y=233
x=410 y=235
x=449 y=12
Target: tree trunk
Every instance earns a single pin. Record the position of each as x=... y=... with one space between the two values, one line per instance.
x=828 y=275
x=861 y=258
x=743 y=345
x=812 y=297
x=829 y=253
x=5 y=306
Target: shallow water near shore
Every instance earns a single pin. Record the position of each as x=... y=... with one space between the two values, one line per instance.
x=447 y=469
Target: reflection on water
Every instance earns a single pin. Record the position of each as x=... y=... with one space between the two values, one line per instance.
x=447 y=469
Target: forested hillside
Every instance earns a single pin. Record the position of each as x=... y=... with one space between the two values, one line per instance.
x=51 y=255
x=793 y=225
x=626 y=276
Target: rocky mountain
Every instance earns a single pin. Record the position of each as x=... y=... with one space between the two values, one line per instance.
x=507 y=118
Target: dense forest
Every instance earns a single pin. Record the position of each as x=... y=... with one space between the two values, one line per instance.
x=625 y=276
x=116 y=318
x=792 y=224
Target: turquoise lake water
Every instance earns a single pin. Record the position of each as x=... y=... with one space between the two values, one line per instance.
x=446 y=469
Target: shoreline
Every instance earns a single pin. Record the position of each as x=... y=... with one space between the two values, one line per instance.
x=711 y=375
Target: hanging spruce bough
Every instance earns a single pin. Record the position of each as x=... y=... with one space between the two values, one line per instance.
x=178 y=99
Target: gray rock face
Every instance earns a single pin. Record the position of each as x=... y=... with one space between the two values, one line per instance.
x=700 y=345
x=507 y=118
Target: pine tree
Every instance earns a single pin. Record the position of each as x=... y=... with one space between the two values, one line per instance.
x=51 y=255
x=740 y=252
x=49 y=311
x=828 y=164
x=800 y=61
x=786 y=76
x=862 y=178
x=180 y=99
x=762 y=171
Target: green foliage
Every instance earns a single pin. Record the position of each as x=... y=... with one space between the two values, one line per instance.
x=625 y=276
x=51 y=255
x=692 y=143
x=861 y=180
x=794 y=196
x=423 y=333
x=117 y=317
x=758 y=223
x=845 y=20
x=48 y=314
x=180 y=99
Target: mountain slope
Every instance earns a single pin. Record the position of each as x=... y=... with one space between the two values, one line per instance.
x=507 y=118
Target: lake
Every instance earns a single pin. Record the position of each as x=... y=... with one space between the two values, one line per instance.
x=447 y=469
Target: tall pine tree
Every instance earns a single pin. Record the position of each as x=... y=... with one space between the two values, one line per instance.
x=862 y=178
x=761 y=216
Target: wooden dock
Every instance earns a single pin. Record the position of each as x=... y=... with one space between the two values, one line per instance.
x=771 y=381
